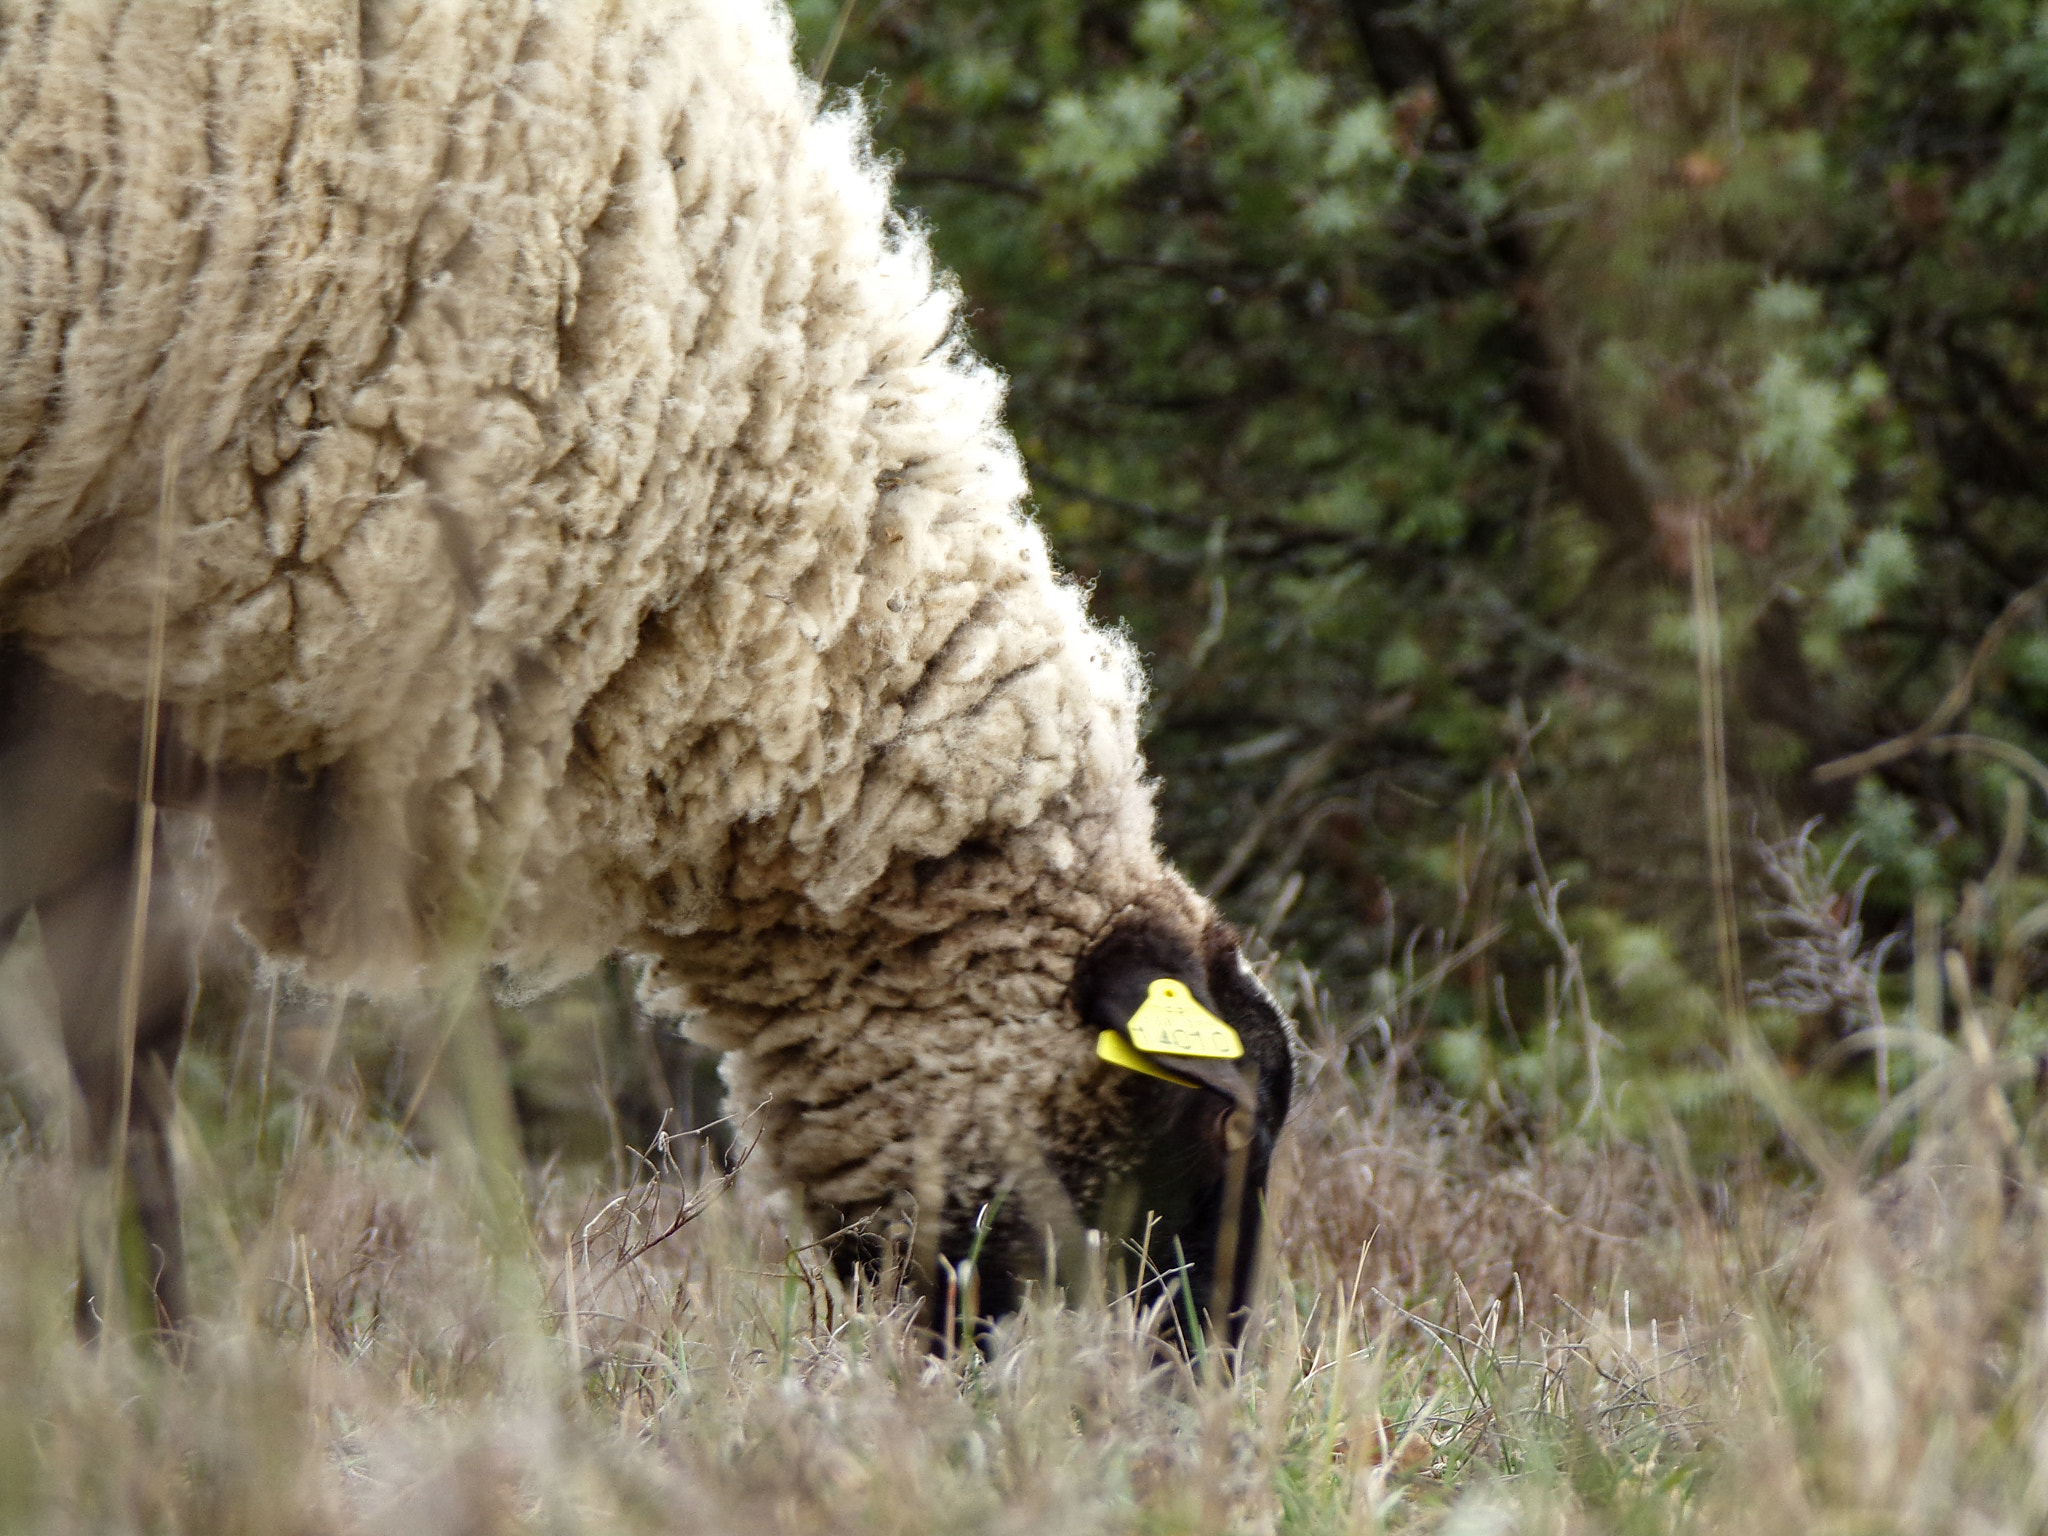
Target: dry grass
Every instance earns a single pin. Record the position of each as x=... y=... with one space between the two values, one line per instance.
x=1464 y=1333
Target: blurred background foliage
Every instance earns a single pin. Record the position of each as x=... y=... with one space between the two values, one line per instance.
x=1376 y=363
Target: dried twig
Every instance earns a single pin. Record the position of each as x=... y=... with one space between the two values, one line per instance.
x=2022 y=604
x=1706 y=615
x=692 y=1207
x=1816 y=934
x=1302 y=776
x=824 y=65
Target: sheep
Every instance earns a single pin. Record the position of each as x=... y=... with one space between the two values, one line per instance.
x=506 y=460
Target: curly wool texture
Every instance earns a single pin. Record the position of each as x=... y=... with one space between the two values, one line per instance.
x=567 y=487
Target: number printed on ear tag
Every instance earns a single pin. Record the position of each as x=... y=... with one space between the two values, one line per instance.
x=1172 y=1023
x=1116 y=1050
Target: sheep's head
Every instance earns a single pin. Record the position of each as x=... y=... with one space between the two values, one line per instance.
x=1163 y=1137
x=977 y=1098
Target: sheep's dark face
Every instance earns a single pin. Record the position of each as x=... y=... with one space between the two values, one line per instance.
x=1147 y=1172
x=1182 y=1204
x=1163 y=1155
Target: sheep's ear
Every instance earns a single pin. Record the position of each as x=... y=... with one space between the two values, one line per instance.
x=1115 y=976
x=1112 y=978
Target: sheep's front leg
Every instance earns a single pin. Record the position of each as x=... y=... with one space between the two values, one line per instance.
x=86 y=931
x=68 y=768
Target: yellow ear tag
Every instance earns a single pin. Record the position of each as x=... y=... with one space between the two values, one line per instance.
x=1116 y=1050
x=1172 y=1022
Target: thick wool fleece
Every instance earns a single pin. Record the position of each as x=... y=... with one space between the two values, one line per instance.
x=576 y=516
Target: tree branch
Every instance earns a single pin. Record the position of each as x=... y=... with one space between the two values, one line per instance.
x=1616 y=484
x=1958 y=699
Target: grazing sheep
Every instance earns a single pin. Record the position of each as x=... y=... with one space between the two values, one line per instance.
x=534 y=481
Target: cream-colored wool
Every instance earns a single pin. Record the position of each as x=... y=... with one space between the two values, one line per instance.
x=577 y=502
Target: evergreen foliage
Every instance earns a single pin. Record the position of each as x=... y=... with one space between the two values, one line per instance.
x=1376 y=361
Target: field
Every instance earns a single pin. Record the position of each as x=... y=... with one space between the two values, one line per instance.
x=1467 y=1328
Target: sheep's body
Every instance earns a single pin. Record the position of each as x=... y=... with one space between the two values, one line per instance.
x=560 y=473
